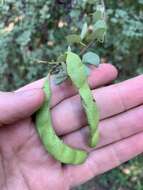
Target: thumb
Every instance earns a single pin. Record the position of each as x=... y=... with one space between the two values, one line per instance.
x=19 y=105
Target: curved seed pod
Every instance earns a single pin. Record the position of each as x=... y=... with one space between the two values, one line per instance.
x=50 y=140
x=77 y=74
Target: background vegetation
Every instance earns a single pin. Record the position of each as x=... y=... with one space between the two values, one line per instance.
x=33 y=29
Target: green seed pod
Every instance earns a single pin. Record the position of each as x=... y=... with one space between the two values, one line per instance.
x=52 y=143
x=77 y=74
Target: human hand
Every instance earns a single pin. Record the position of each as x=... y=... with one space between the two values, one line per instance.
x=24 y=164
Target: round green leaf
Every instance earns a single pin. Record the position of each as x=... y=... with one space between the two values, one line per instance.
x=91 y=58
x=100 y=28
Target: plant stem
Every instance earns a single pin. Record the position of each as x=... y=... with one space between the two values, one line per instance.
x=85 y=48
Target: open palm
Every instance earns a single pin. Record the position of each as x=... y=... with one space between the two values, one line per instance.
x=25 y=165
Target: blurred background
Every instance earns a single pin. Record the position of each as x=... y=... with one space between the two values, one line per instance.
x=32 y=30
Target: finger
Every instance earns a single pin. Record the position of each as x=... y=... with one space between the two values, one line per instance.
x=104 y=159
x=111 y=130
x=16 y=106
x=110 y=100
x=100 y=76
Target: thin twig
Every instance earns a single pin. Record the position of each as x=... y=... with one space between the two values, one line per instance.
x=88 y=46
x=49 y=62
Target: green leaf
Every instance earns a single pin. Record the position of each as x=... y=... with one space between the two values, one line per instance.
x=58 y=79
x=84 y=31
x=91 y=58
x=97 y=16
x=100 y=28
x=73 y=38
x=100 y=24
x=141 y=2
x=62 y=75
